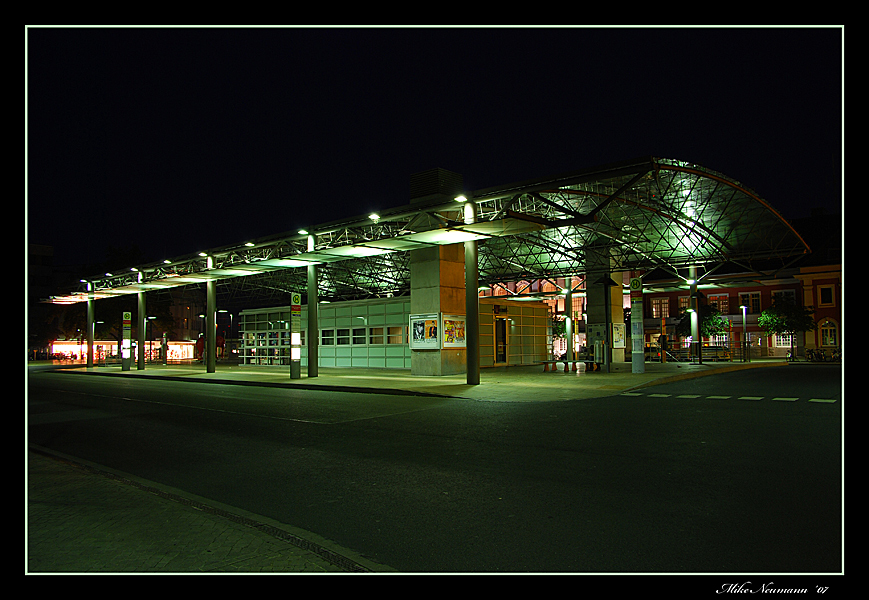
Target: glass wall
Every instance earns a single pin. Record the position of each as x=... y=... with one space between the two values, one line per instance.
x=364 y=333
x=374 y=333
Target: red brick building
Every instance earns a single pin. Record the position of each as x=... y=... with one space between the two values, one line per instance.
x=814 y=281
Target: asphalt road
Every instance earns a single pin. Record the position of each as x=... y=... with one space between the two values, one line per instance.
x=734 y=473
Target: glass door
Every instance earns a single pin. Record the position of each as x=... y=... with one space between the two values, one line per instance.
x=500 y=340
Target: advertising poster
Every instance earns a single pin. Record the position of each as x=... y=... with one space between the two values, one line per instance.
x=619 y=337
x=424 y=332
x=454 y=331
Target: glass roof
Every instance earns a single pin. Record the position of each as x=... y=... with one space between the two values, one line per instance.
x=642 y=214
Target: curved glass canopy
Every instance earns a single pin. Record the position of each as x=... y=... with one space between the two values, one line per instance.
x=637 y=215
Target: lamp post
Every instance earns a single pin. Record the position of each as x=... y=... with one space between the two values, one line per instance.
x=744 y=339
x=150 y=339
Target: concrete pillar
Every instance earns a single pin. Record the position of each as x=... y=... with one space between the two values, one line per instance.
x=605 y=302
x=437 y=274
x=437 y=286
x=313 y=328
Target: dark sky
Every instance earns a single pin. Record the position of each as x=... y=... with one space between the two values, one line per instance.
x=177 y=140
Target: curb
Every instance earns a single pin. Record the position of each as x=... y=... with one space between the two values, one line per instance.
x=685 y=376
x=272 y=384
x=341 y=557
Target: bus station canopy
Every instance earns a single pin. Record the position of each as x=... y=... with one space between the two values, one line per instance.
x=644 y=214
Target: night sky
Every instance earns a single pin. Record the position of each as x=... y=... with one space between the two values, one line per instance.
x=176 y=139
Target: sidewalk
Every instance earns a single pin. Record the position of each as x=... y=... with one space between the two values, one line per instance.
x=83 y=518
x=499 y=384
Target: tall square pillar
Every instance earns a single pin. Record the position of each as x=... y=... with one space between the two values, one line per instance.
x=437 y=286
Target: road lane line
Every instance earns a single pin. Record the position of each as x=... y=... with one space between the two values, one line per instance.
x=786 y=399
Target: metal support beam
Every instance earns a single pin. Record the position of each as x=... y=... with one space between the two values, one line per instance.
x=568 y=323
x=210 y=324
x=142 y=320
x=694 y=303
x=90 y=364
x=313 y=330
x=472 y=307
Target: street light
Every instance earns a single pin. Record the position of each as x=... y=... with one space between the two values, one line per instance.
x=744 y=340
x=150 y=341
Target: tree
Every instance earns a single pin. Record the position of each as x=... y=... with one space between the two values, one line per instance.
x=710 y=320
x=785 y=317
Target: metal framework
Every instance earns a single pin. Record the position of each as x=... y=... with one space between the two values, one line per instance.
x=644 y=214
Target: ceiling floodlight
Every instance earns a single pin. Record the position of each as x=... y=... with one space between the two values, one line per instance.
x=203 y=254
x=303 y=232
x=461 y=198
x=249 y=244
x=108 y=274
x=167 y=262
x=374 y=217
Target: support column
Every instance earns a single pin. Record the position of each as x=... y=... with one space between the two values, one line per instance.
x=437 y=275
x=696 y=342
x=638 y=349
x=605 y=302
x=313 y=330
x=142 y=321
x=472 y=303
x=210 y=323
x=90 y=364
x=568 y=320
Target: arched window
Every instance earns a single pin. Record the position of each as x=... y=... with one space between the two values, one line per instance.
x=829 y=334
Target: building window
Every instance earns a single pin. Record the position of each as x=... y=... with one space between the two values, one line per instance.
x=825 y=296
x=783 y=340
x=829 y=334
x=358 y=336
x=660 y=307
x=395 y=335
x=683 y=303
x=786 y=295
x=327 y=337
x=751 y=300
x=343 y=337
x=375 y=335
x=722 y=303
